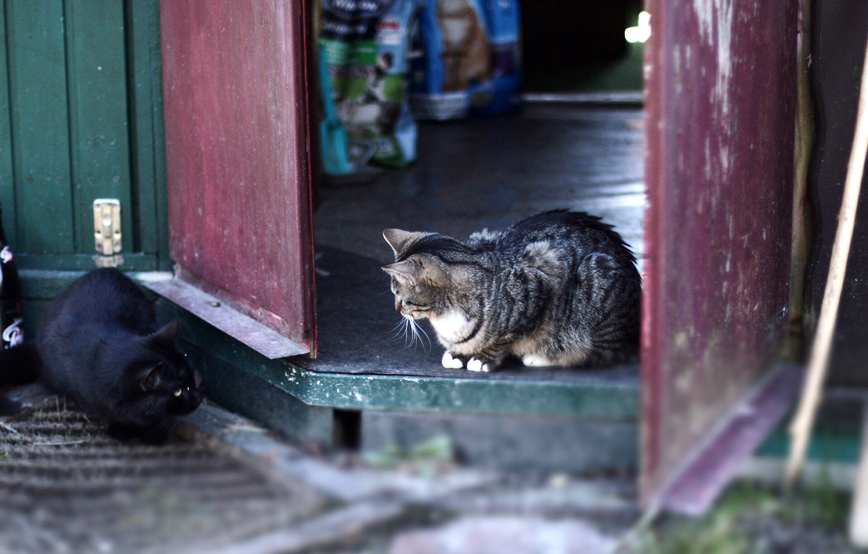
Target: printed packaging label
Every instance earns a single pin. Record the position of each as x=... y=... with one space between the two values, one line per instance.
x=365 y=44
x=471 y=59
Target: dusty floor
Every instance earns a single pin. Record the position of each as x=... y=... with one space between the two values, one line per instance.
x=492 y=172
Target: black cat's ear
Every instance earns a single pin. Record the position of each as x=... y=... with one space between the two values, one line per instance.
x=397 y=239
x=402 y=270
x=151 y=379
x=169 y=333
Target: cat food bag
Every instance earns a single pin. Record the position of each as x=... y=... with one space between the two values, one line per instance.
x=365 y=45
x=470 y=59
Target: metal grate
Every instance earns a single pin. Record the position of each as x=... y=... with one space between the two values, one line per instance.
x=66 y=487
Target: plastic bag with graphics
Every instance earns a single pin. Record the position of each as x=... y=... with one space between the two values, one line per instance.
x=365 y=45
x=471 y=62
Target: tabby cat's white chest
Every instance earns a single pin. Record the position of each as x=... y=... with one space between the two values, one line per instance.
x=451 y=326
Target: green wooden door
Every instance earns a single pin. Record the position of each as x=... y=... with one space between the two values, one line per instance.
x=81 y=119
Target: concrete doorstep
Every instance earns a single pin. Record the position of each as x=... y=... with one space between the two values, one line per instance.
x=460 y=510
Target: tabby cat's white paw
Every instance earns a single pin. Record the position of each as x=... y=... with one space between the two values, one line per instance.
x=532 y=360
x=450 y=362
x=477 y=365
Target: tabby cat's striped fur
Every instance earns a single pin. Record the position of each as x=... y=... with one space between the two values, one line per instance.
x=556 y=289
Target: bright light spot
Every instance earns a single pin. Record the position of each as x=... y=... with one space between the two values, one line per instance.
x=642 y=31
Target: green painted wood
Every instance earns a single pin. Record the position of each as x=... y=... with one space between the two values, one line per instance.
x=81 y=118
x=40 y=132
x=247 y=393
x=97 y=85
x=67 y=262
x=147 y=129
x=45 y=285
x=39 y=287
x=38 y=284
x=7 y=174
x=471 y=395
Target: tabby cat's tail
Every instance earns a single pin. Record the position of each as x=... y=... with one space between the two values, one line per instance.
x=18 y=366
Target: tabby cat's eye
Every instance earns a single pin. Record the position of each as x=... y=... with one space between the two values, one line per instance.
x=178 y=392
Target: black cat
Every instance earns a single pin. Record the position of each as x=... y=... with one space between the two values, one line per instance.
x=99 y=344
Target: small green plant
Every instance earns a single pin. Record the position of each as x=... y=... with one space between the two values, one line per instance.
x=424 y=458
x=818 y=504
x=719 y=532
x=744 y=520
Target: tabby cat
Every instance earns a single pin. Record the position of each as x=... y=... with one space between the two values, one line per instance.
x=99 y=344
x=559 y=288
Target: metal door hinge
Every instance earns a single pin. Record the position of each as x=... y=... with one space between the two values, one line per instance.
x=107 y=232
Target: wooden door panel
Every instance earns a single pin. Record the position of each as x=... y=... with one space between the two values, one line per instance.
x=721 y=91
x=237 y=138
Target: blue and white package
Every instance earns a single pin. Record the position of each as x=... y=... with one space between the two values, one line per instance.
x=365 y=45
x=471 y=59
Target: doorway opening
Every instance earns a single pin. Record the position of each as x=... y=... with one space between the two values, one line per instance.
x=559 y=151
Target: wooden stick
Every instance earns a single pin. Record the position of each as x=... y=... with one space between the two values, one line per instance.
x=803 y=422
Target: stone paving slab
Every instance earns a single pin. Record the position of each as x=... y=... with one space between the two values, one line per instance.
x=486 y=510
x=351 y=484
x=505 y=534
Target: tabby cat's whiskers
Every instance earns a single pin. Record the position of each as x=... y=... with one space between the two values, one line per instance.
x=413 y=334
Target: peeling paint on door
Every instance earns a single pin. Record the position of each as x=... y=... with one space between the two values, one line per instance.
x=720 y=118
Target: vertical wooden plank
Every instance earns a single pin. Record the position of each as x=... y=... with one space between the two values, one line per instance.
x=235 y=77
x=146 y=128
x=37 y=74
x=721 y=92
x=99 y=144
x=7 y=173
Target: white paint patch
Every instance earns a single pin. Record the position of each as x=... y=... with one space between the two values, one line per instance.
x=715 y=19
x=450 y=326
x=708 y=158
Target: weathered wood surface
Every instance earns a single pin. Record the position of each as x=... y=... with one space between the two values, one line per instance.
x=79 y=120
x=721 y=96
x=40 y=131
x=237 y=138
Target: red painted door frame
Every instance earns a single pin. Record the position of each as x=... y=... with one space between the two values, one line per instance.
x=238 y=145
x=720 y=117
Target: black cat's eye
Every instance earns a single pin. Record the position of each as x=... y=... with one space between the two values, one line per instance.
x=153 y=379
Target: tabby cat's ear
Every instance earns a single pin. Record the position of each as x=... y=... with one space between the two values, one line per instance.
x=169 y=333
x=402 y=270
x=397 y=239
